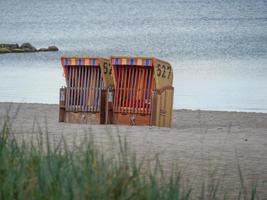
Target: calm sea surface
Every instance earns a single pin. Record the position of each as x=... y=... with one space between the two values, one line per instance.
x=218 y=49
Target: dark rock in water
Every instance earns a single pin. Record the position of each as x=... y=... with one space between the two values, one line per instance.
x=30 y=50
x=24 y=48
x=9 y=46
x=18 y=50
x=52 y=48
x=43 y=49
x=28 y=47
x=4 y=50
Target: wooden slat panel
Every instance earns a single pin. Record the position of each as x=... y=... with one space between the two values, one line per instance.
x=164 y=107
x=137 y=89
x=93 y=90
x=140 y=90
x=71 y=88
x=124 y=89
x=120 y=90
x=89 y=80
x=161 y=108
x=152 y=87
x=68 y=90
x=146 y=81
x=128 y=90
x=148 y=95
x=133 y=90
x=82 y=88
x=116 y=90
x=75 y=88
x=97 y=89
x=144 y=90
x=90 y=89
x=86 y=88
x=131 y=86
x=78 y=87
x=122 y=101
x=120 y=87
x=116 y=109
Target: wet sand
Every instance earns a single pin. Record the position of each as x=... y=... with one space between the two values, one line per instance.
x=205 y=145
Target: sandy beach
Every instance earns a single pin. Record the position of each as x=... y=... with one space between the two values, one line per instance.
x=205 y=145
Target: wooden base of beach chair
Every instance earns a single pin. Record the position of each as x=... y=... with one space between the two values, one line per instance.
x=131 y=119
x=82 y=117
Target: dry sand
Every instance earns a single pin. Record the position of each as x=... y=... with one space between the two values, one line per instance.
x=205 y=145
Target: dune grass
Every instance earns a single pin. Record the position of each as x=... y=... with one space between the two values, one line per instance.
x=40 y=171
x=29 y=171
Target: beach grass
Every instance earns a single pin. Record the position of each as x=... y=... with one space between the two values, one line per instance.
x=85 y=171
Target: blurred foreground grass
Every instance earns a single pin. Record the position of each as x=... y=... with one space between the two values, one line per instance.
x=40 y=171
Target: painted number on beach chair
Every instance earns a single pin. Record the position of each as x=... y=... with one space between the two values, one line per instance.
x=162 y=70
x=159 y=70
x=107 y=68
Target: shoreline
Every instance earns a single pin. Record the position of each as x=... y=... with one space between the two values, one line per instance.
x=175 y=110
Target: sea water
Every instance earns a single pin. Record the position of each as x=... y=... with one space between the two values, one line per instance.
x=218 y=48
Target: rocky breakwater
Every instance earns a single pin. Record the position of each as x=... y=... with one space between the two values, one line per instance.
x=24 y=48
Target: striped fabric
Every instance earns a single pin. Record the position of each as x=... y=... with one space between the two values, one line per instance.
x=132 y=61
x=72 y=61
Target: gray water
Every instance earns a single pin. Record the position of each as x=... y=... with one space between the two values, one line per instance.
x=218 y=49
